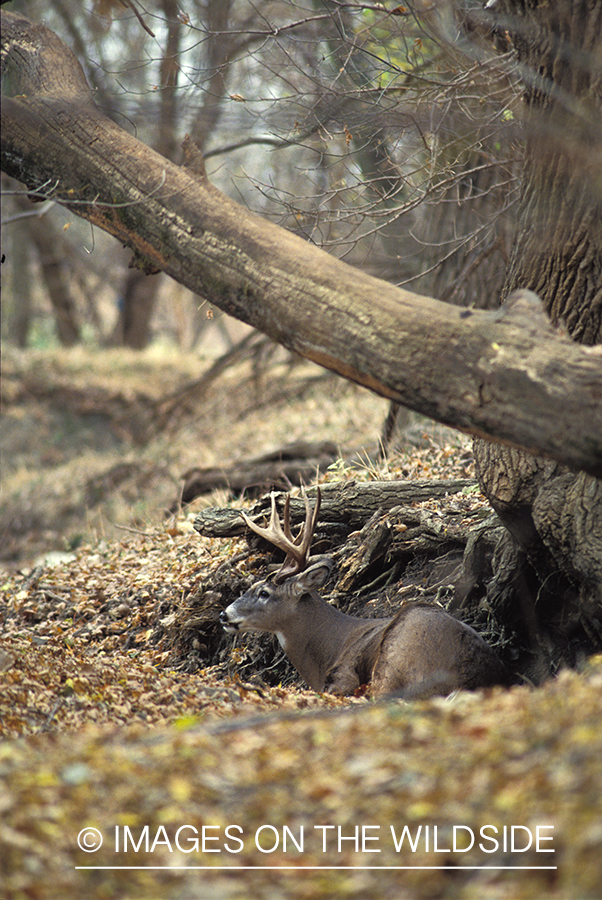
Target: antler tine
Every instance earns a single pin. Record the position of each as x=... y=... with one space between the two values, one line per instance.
x=296 y=559
x=273 y=533
x=280 y=536
x=306 y=534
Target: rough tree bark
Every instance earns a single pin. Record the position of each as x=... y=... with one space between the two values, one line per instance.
x=551 y=580
x=349 y=504
x=508 y=375
x=497 y=374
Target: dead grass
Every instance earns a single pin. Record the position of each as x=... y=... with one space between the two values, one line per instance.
x=55 y=456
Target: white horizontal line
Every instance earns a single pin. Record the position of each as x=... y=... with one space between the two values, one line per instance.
x=277 y=868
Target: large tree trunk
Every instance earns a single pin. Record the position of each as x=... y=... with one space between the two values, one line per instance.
x=550 y=574
x=492 y=374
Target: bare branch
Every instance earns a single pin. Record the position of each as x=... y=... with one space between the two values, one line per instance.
x=506 y=375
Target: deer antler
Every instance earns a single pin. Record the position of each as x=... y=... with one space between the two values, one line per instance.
x=280 y=536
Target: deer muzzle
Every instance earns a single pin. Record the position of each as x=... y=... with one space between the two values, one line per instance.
x=228 y=624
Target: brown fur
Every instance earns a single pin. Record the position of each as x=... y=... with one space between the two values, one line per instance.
x=420 y=652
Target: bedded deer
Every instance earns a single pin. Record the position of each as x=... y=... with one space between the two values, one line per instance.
x=420 y=652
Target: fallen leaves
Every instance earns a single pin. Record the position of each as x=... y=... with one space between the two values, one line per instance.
x=338 y=779
x=101 y=730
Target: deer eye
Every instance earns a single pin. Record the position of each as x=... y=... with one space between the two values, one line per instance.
x=263 y=594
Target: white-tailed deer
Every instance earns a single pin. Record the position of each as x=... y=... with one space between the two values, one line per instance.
x=420 y=652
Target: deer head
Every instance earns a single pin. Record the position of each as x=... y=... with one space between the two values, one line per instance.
x=270 y=604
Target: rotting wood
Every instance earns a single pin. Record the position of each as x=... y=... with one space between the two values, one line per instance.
x=350 y=504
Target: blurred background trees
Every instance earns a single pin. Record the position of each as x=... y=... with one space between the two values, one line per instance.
x=386 y=136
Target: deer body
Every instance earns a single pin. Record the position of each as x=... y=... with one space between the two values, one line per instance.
x=420 y=652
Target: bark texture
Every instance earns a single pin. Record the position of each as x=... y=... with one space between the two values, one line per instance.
x=491 y=374
x=347 y=505
x=550 y=572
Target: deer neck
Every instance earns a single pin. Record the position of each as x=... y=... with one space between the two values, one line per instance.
x=317 y=637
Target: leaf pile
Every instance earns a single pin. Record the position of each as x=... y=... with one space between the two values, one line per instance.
x=92 y=639
x=523 y=758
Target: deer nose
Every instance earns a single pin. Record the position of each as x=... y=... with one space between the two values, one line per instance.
x=227 y=623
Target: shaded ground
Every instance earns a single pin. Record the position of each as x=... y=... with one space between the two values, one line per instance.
x=74 y=465
x=110 y=719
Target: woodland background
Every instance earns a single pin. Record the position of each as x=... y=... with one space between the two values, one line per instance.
x=120 y=705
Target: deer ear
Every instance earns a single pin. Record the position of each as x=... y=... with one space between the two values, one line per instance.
x=315 y=576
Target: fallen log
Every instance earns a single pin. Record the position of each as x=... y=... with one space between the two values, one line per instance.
x=349 y=504
x=294 y=464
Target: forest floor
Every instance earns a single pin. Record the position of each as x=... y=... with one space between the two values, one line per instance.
x=125 y=775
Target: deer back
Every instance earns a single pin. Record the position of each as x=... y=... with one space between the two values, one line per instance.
x=425 y=651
